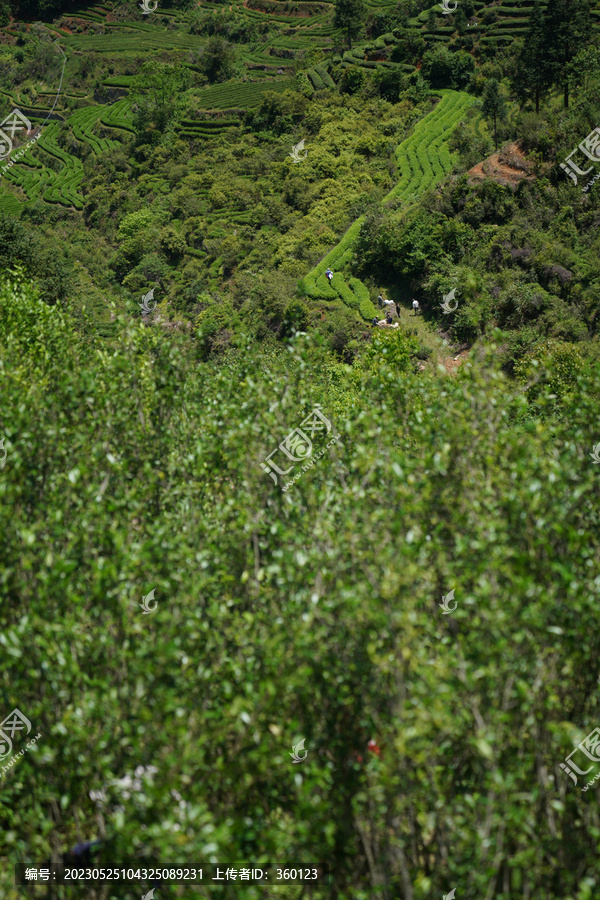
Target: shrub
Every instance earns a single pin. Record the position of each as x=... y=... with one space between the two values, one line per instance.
x=390 y=83
x=353 y=80
x=215 y=326
x=277 y=112
x=325 y=76
x=554 y=366
x=388 y=355
x=316 y=79
x=296 y=317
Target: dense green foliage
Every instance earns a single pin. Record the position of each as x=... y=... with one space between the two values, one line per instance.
x=349 y=16
x=493 y=105
x=308 y=614
x=216 y=160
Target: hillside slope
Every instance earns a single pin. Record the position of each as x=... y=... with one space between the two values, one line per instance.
x=423 y=159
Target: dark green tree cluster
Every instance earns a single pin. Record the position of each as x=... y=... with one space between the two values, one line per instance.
x=44 y=261
x=493 y=105
x=156 y=95
x=349 y=17
x=554 y=38
x=216 y=60
x=229 y=25
x=520 y=260
x=444 y=69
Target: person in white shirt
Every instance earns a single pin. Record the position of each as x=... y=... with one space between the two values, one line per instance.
x=416 y=306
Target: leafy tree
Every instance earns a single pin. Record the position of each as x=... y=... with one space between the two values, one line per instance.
x=390 y=83
x=437 y=67
x=352 y=80
x=40 y=9
x=278 y=112
x=391 y=252
x=445 y=69
x=296 y=317
x=415 y=46
x=382 y=21
x=493 y=105
x=550 y=369
x=350 y=16
x=46 y=263
x=567 y=27
x=390 y=353
x=532 y=76
x=460 y=20
x=217 y=60
x=585 y=74
x=215 y=327
x=172 y=243
x=463 y=66
x=416 y=88
x=156 y=93
x=471 y=145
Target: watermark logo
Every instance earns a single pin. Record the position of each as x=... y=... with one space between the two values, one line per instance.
x=145 y=304
x=450 y=896
x=13 y=123
x=446 y=302
x=147 y=9
x=447 y=9
x=4 y=450
x=295 y=154
x=590 y=147
x=589 y=746
x=591 y=183
x=445 y=605
x=298 y=445
x=297 y=749
x=145 y=604
x=149 y=895
x=595 y=454
x=14 y=723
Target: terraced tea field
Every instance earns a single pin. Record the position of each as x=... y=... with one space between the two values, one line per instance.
x=492 y=24
x=39 y=180
x=133 y=42
x=51 y=173
x=423 y=160
x=302 y=27
x=239 y=96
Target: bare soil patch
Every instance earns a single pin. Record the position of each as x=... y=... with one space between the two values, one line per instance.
x=508 y=166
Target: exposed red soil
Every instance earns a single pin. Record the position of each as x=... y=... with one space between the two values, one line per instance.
x=453 y=363
x=508 y=167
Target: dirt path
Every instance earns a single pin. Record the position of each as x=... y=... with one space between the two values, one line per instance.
x=442 y=352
